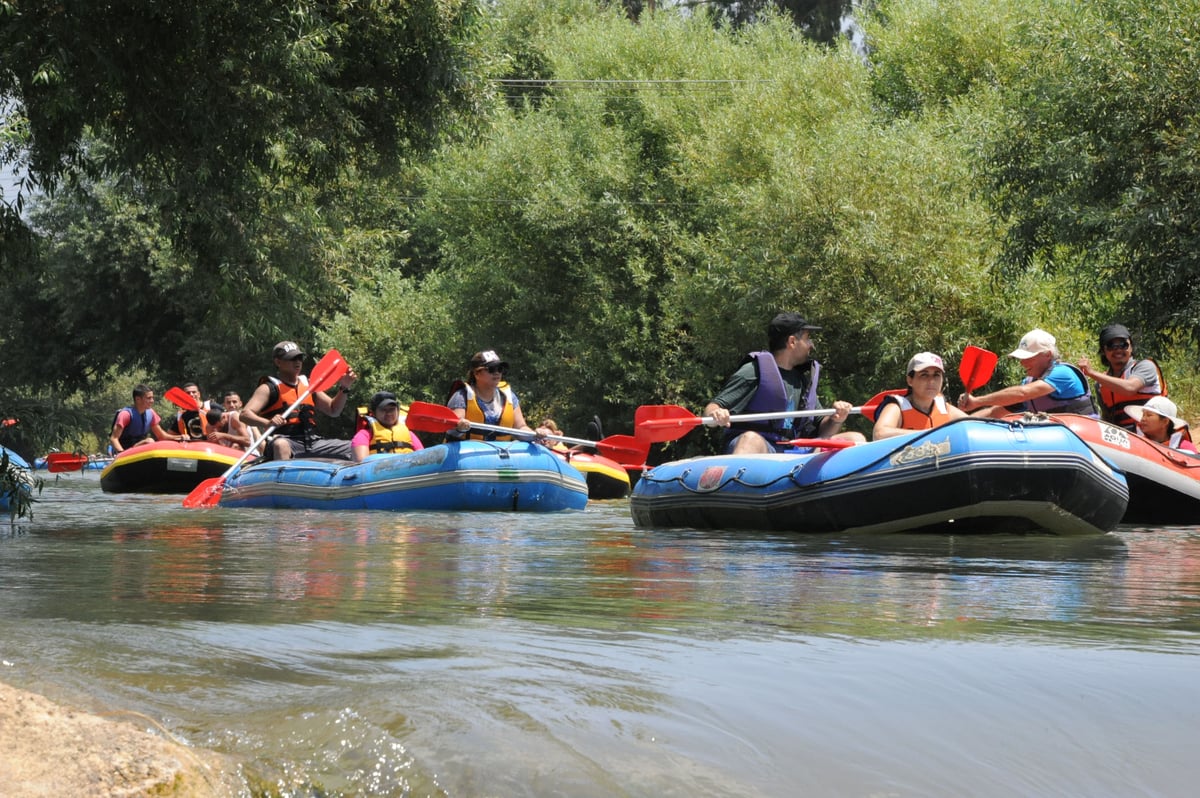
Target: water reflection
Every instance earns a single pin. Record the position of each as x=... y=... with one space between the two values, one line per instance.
x=574 y=654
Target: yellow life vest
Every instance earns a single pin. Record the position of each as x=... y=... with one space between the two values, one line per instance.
x=385 y=440
x=475 y=413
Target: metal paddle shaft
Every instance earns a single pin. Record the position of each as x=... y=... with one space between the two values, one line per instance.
x=661 y=423
x=427 y=417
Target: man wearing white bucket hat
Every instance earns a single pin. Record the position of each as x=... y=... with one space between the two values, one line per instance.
x=1159 y=421
x=1050 y=385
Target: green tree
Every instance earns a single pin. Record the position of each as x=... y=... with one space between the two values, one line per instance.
x=624 y=236
x=208 y=165
x=1094 y=169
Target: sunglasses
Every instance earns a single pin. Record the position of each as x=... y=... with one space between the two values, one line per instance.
x=1117 y=345
x=296 y=359
x=495 y=368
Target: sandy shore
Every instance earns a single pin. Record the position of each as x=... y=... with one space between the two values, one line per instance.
x=47 y=749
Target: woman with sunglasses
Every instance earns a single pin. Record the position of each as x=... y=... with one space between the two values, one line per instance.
x=486 y=398
x=1127 y=381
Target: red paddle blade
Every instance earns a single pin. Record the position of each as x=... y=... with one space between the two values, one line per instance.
x=206 y=494
x=65 y=461
x=181 y=399
x=661 y=423
x=426 y=417
x=625 y=449
x=871 y=408
x=977 y=367
x=328 y=370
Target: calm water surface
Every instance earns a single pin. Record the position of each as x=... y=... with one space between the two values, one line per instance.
x=372 y=654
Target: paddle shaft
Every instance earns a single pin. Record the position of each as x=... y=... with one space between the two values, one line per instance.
x=709 y=421
x=267 y=432
x=522 y=434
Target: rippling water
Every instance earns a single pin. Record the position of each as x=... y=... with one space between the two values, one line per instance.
x=574 y=655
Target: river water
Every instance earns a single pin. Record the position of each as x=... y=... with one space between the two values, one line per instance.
x=572 y=654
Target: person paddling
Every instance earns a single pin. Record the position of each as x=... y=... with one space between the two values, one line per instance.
x=1051 y=385
x=296 y=434
x=486 y=398
x=781 y=378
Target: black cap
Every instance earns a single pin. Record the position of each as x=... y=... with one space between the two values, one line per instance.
x=286 y=349
x=789 y=324
x=1113 y=332
x=383 y=398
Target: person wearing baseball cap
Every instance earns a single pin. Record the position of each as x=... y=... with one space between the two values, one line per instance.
x=781 y=378
x=382 y=430
x=487 y=398
x=296 y=435
x=1125 y=380
x=1050 y=385
x=1158 y=420
x=923 y=406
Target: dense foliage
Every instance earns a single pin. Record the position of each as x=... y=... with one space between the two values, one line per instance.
x=212 y=169
x=615 y=201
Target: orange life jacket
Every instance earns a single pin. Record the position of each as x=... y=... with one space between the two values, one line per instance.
x=1114 y=401
x=283 y=396
x=912 y=418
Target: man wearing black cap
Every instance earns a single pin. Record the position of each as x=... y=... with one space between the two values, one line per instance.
x=1127 y=381
x=296 y=435
x=782 y=378
x=383 y=430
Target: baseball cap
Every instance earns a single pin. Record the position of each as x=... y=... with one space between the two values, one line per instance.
x=924 y=360
x=1114 y=332
x=383 y=398
x=1159 y=405
x=1033 y=343
x=789 y=324
x=486 y=358
x=286 y=349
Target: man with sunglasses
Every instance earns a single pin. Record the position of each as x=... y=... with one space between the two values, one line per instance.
x=1127 y=381
x=296 y=435
x=486 y=398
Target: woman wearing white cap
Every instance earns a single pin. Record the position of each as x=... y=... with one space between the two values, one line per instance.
x=923 y=406
x=1050 y=385
x=1159 y=421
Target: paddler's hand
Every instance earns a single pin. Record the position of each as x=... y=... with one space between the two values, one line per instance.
x=348 y=379
x=967 y=402
x=841 y=411
x=719 y=415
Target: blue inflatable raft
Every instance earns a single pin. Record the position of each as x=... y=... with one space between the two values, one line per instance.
x=468 y=475
x=969 y=476
x=21 y=465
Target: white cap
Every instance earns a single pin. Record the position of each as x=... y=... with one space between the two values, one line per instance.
x=924 y=360
x=1159 y=405
x=1034 y=343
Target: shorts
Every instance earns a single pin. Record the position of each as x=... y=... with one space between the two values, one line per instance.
x=333 y=448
